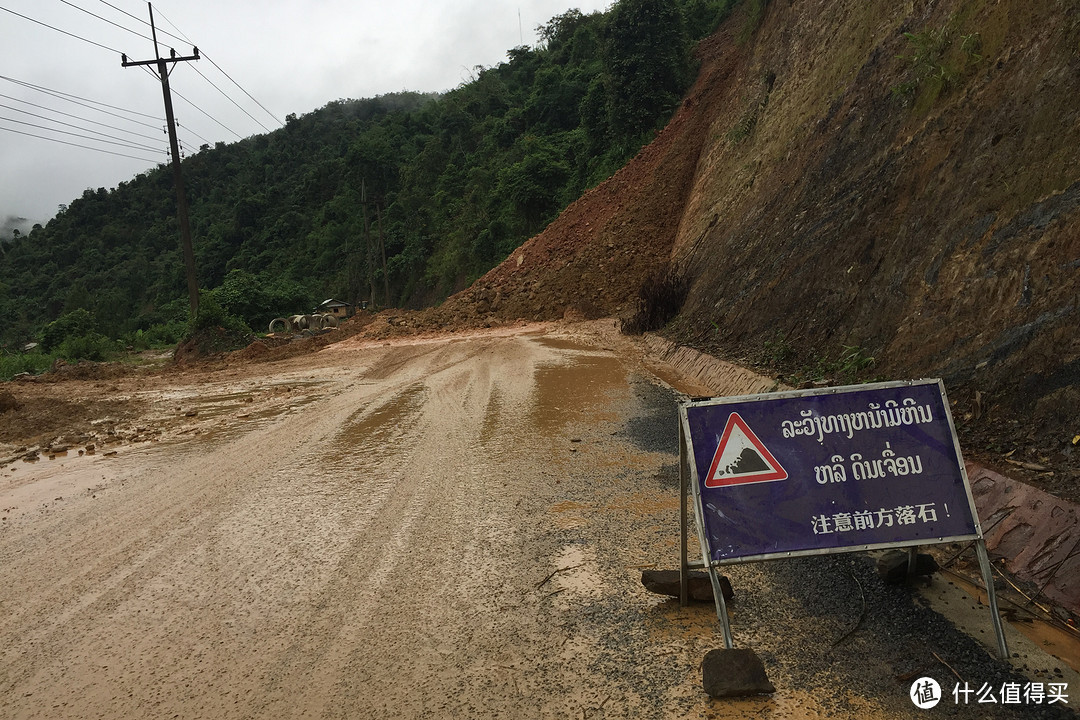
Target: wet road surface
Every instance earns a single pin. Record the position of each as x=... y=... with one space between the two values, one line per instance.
x=449 y=528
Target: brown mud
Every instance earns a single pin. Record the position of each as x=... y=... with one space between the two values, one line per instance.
x=441 y=526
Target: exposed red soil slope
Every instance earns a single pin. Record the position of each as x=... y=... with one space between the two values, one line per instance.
x=592 y=260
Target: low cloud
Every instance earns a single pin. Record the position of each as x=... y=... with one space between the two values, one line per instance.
x=12 y=223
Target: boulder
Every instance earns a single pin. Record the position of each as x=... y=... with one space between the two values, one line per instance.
x=8 y=402
x=666 y=582
x=734 y=673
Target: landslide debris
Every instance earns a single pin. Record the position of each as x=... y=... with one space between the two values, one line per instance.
x=895 y=184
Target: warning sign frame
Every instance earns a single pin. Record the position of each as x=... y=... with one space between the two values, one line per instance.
x=961 y=525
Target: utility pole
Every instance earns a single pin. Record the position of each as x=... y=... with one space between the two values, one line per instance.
x=382 y=248
x=174 y=146
x=367 y=240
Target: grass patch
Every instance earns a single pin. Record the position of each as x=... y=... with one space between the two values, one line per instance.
x=12 y=364
x=937 y=59
x=755 y=15
x=744 y=128
x=849 y=366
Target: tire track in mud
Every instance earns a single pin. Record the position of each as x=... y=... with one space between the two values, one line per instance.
x=158 y=513
x=370 y=520
x=478 y=594
x=403 y=584
x=238 y=579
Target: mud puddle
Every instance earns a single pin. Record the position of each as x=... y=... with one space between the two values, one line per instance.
x=370 y=432
x=576 y=575
x=571 y=392
x=558 y=343
x=577 y=392
x=568 y=515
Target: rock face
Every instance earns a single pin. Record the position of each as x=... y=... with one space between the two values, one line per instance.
x=834 y=204
x=666 y=582
x=734 y=673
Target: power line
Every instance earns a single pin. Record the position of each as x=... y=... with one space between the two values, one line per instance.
x=65 y=32
x=219 y=69
x=99 y=17
x=244 y=91
x=76 y=117
x=106 y=48
x=77 y=127
x=229 y=98
x=130 y=146
x=151 y=73
x=66 y=96
x=206 y=114
x=189 y=130
x=182 y=36
x=85 y=147
x=144 y=22
x=77 y=100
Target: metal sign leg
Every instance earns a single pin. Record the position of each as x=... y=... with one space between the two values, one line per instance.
x=721 y=607
x=684 y=569
x=991 y=596
x=714 y=579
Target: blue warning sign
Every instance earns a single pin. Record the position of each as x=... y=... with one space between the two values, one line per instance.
x=847 y=468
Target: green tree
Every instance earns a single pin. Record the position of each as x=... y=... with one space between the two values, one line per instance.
x=532 y=184
x=75 y=324
x=647 y=63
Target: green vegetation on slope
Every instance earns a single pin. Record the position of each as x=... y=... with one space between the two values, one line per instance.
x=450 y=184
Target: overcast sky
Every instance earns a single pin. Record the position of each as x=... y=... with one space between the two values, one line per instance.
x=291 y=56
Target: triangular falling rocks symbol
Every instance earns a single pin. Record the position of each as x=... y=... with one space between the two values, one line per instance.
x=741 y=458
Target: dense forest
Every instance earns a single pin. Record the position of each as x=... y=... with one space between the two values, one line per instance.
x=398 y=200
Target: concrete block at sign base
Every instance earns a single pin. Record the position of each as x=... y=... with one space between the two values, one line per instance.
x=666 y=582
x=893 y=566
x=734 y=673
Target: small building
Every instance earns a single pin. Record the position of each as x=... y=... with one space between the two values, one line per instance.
x=337 y=308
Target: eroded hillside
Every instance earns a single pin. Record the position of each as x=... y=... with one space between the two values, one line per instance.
x=909 y=186
x=897 y=179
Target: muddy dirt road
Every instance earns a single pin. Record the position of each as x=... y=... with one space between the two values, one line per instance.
x=440 y=528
